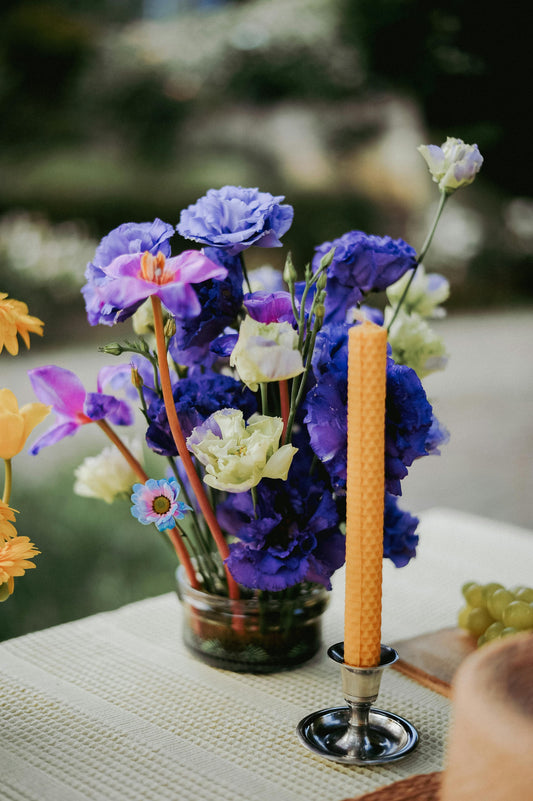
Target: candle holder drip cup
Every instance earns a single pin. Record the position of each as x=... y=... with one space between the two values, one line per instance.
x=359 y=734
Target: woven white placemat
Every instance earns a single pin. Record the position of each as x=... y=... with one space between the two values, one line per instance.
x=113 y=708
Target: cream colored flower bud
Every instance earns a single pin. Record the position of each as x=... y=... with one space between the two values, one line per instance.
x=452 y=165
x=108 y=474
x=266 y=352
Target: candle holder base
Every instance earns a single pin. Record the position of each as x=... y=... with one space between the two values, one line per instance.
x=359 y=734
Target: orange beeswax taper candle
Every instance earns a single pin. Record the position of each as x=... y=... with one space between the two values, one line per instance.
x=365 y=493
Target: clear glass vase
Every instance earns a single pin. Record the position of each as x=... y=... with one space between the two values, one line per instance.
x=252 y=635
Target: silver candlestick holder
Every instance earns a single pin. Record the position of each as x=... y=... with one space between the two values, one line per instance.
x=359 y=734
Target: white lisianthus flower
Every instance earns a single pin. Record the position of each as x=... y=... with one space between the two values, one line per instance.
x=415 y=344
x=453 y=164
x=108 y=474
x=237 y=455
x=426 y=293
x=266 y=352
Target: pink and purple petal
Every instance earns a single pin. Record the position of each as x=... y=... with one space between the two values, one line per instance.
x=59 y=388
x=53 y=435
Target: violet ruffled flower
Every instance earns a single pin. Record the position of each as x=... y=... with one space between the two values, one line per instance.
x=294 y=537
x=269 y=307
x=234 y=218
x=220 y=301
x=399 y=538
x=362 y=263
x=196 y=398
x=128 y=238
x=408 y=413
x=73 y=406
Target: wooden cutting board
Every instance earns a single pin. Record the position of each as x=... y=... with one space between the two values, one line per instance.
x=423 y=787
x=432 y=659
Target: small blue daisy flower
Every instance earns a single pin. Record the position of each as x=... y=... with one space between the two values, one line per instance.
x=157 y=502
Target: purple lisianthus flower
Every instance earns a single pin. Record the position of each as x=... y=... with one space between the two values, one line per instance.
x=196 y=398
x=73 y=406
x=408 y=420
x=156 y=502
x=128 y=238
x=132 y=279
x=294 y=537
x=399 y=538
x=220 y=302
x=234 y=218
x=408 y=413
x=362 y=263
x=269 y=307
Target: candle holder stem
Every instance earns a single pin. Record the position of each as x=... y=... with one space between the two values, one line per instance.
x=359 y=734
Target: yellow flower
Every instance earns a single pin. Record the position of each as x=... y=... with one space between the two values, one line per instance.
x=14 y=319
x=14 y=561
x=7 y=518
x=17 y=424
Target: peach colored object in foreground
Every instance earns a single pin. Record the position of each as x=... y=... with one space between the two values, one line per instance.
x=365 y=493
x=490 y=748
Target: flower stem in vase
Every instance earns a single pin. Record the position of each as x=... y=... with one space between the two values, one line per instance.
x=173 y=533
x=179 y=439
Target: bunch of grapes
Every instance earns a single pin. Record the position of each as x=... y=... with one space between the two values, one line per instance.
x=492 y=611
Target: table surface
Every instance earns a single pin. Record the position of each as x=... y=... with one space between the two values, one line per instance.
x=113 y=708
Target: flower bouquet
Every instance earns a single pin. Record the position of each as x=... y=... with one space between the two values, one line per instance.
x=242 y=381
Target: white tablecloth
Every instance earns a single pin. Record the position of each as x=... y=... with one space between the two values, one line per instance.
x=113 y=708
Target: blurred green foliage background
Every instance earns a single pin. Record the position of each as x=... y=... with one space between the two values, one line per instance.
x=119 y=110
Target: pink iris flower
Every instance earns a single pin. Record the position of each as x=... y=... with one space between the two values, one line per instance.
x=133 y=278
x=73 y=406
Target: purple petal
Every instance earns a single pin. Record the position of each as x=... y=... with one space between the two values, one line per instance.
x=180 y=299
x=53 y=435
x=60 y=388
x=97 y=406
x=269 y=307
x=192 y=267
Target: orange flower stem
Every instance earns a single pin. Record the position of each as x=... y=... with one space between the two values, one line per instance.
x=179 y=439
x=284 y=405
x=126 y=453
x=138 y=469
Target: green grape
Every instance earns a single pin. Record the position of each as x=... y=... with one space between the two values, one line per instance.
x=488 y=589
x=499 y=601
x=462 y=618
x=493 y=631
x=505 y=632
x=473 y=594
x=481 y=640
x=518 y=615
x=478 y=620
x=524 y=594
x=466 y=587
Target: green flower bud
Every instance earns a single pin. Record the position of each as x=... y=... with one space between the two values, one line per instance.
x=326 y=260
x=136 y=378
x=170 y=328
x=289 y=271
x=114 y=348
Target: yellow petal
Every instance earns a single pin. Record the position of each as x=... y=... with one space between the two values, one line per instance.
x=8 y=401
x=11 y=434
x=33 y=414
